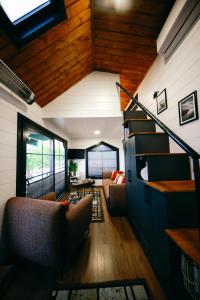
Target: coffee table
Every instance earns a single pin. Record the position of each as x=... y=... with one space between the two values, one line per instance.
x=81 y=185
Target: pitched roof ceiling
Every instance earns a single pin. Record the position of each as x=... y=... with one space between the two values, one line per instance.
x=94 y=37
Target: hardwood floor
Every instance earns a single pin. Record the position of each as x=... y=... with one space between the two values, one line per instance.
x=112 y=252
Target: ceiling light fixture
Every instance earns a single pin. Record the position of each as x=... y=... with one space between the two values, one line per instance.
x=119 y=6
x=97 y=132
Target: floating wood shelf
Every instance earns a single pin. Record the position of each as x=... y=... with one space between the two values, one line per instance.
x=172 y=186
x=187 y=239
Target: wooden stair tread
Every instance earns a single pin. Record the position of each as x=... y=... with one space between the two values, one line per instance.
x=137 y=120
x=172 y=186
x=160 y=154
x=146 y=133
x=187 y=239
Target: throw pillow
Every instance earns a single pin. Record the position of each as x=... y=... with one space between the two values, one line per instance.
x=114 y=174
x=121 y=179
x=116 y=178
x=64 y=202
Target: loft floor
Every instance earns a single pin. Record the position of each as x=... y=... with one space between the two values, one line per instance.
x=112 y=252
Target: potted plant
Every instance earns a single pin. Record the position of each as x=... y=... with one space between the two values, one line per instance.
x=73 y=167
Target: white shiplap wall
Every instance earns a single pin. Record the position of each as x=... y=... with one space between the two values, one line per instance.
x=9 y=106
x=180 y=75
x=94 y=96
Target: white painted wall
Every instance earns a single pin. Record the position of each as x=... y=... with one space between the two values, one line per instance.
x=180 y=75
x=85 y=143
x=10 y=105
x=94 y=96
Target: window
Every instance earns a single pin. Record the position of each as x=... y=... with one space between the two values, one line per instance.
x=41 y=164
x=99 y=158
x=24 y=20
x=21 y=9
x=59 y=167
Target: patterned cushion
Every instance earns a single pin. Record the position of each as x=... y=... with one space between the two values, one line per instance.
x=121 y=179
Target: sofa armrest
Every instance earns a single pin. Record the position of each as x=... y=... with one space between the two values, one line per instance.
x=34 y=230
x=117 y=196
x=107 y=174
x=50 y=196
x=78 y=218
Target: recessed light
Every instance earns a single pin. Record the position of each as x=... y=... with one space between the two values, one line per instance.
x=97 y=132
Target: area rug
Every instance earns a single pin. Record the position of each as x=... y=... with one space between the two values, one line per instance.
x=97 y=213
x=118 y=290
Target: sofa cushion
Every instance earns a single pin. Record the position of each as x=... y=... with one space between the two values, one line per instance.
x=114 y=174
x=121 y=179
x=116 y=178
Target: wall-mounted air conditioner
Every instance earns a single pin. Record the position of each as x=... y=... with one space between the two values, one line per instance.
x=182 y=17
x=10 y=80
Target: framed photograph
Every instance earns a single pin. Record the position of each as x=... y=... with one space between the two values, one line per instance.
x=188 y=109
x=161 y=101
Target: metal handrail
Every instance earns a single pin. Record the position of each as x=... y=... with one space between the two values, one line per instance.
x=189 y=150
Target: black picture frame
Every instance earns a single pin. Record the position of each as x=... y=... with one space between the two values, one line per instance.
x=161 y=101
x=188 y=109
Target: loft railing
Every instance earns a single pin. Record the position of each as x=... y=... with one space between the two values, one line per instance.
x=191 y=152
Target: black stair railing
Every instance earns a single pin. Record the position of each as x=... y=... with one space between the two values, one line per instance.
x=189 y=150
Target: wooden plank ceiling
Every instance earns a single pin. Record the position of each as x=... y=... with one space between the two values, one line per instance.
x=94 y=37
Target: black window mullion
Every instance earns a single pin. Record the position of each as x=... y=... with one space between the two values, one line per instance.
x=54 y=166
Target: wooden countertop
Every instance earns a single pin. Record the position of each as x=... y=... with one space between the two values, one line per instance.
x=172 y=186
x=188 y=240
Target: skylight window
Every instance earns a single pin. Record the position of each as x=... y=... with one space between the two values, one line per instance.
x=24 y=20
x=18 y=10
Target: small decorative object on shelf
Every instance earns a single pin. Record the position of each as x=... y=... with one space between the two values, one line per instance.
x=191 y=276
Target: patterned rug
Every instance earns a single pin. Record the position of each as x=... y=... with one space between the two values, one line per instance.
x=97 y=213
x=130 y=290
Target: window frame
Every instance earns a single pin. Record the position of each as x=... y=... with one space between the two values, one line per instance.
x=22 y=124
x=96 y=145
x=33 y=23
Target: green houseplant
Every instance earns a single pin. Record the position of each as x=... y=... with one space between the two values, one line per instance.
x=73 y=167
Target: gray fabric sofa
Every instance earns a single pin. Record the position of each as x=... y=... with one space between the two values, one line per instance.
x=114 y=194
x=47 y=232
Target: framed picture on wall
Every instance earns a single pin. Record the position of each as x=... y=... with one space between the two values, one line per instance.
x=188 y=108
x=161 y=101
